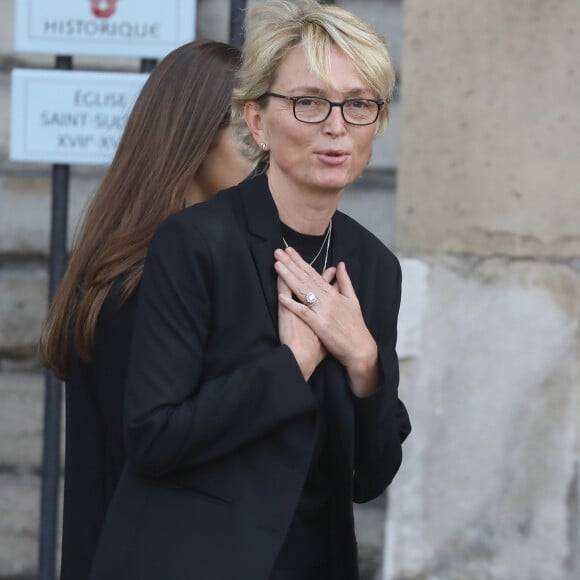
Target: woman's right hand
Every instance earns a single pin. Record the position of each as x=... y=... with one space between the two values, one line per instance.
x=298 y=336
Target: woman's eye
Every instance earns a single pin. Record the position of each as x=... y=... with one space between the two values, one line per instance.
x=358 y=104
x=308 y=102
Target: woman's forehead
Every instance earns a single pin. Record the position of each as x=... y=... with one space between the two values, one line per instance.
x=297 y=73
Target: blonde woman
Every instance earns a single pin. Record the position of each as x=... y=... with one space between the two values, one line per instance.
x=262 y=390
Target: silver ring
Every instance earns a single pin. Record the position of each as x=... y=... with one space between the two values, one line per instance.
x=311 y=299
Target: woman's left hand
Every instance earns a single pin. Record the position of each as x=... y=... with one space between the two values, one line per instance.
x=335 y=317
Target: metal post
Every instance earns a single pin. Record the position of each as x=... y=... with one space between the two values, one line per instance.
x=237 y=8
x=148 y=64
x=53 y=387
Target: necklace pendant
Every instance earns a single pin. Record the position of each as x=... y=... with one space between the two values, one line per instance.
x=325 y=242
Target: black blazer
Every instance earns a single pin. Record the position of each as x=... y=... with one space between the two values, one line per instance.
x=94 y=450
x=220 y=422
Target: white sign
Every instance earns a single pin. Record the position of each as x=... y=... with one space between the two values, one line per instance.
x=70 y=116
x=146 y=29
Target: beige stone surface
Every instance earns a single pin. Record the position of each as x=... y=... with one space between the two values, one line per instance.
x=19 y=509
x=23 y=297
x=25 y=208
x=414 y=297
x=6 y=27
x=374 y=209
x=21 y=419
x=490 y=150
x=369 y=521
x=489 y=485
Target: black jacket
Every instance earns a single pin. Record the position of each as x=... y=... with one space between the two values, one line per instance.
x=220 y=422
x=94 y=449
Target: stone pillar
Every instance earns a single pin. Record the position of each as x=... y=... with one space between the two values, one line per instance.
x=489 y=204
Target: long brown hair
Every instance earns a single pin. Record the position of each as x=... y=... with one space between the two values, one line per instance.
x=174 y=122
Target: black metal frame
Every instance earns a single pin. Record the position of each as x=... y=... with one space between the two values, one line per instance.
x=53 y=387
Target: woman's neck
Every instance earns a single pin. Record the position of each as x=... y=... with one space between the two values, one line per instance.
x=196 y=194
x=306 y=212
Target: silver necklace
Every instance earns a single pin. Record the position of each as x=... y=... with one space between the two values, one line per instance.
x=325 y=241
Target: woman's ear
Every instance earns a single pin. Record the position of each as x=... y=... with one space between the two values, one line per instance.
x=254 y=121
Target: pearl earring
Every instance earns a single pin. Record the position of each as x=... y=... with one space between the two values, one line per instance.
x=263 y=146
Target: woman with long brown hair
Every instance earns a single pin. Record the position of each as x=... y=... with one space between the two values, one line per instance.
x=177 y=149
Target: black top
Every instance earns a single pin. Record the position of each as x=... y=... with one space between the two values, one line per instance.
x=308 y=542
x=312 y=248
x=94 y=450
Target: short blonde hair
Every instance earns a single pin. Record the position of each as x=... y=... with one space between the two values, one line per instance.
x=276 y=27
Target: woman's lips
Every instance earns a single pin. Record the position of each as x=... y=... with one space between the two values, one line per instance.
x=333 y=157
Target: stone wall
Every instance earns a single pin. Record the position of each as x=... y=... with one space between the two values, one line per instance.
x=489 y=206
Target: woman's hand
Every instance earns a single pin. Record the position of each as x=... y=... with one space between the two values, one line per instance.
x=298 y=336
x=335 y=318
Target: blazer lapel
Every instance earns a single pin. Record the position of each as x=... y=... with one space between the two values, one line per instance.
x=265 y=236
x=344 y=246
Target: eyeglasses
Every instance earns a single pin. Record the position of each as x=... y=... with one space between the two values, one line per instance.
x=318 y=109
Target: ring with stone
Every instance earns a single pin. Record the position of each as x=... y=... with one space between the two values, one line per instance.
x=311 y=299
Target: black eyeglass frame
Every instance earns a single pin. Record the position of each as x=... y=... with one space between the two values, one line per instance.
x=378 y=102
